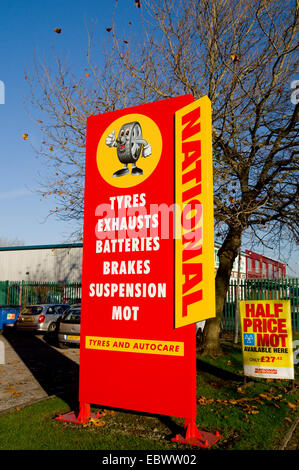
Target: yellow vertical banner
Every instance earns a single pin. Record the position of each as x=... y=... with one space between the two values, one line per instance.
x=266 y=330
x=194 y=224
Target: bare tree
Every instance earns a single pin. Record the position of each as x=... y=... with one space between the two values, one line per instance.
x=241 y=53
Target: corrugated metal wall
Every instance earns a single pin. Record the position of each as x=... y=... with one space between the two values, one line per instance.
x=51 y=264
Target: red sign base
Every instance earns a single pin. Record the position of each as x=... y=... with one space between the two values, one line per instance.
x=192 y=437
x=197 y=438
x=83 y=416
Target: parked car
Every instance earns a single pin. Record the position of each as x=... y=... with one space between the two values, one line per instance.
x=41 y=318
x=69 y=327
x=8 y=316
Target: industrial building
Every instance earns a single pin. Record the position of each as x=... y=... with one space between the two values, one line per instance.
x=262 y=267
x=43 y=263
x=63 y=263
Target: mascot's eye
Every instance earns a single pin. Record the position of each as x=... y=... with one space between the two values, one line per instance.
x=128 y=132
x=122 y=133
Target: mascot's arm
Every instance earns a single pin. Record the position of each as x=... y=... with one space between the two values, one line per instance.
x=147 y=149
x=110 y=140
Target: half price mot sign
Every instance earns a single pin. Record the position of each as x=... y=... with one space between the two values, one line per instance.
x=148 y=255
x=267 y=339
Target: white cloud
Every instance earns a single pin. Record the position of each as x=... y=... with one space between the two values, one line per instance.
x=14 y=193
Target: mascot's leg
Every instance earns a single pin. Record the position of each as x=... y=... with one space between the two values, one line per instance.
x=136 y=170
x=122 y=172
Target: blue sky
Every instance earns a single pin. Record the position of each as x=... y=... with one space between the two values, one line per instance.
x=25 y=28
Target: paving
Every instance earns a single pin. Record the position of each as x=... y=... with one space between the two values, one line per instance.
x=35 y=369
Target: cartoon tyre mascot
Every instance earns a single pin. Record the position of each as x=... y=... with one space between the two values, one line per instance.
x=129 y=144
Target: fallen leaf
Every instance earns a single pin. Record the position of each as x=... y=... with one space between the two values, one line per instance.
x=266 y=397
x=97 y=422
x=205 y=401
x=108 y=29
x=292 y=405
x=57 y=30
x=138 y=3
x=25 y=136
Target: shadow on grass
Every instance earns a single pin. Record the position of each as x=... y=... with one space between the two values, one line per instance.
x=203 y=366
x=173 y=427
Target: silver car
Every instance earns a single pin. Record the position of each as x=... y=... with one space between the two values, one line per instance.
x=69 y=327
x=40 y=318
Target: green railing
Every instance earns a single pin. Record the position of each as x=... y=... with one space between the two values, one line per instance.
x=26 y=293
x=261 y=289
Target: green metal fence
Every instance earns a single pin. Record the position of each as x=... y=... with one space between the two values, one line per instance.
x=25 y=293
x=261 y=289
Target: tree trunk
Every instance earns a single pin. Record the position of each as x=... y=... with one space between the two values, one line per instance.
x=227 y=254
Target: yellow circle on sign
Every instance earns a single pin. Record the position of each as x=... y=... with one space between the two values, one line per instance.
x=129 y=150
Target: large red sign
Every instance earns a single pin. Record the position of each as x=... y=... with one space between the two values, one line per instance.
x=131 y=355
